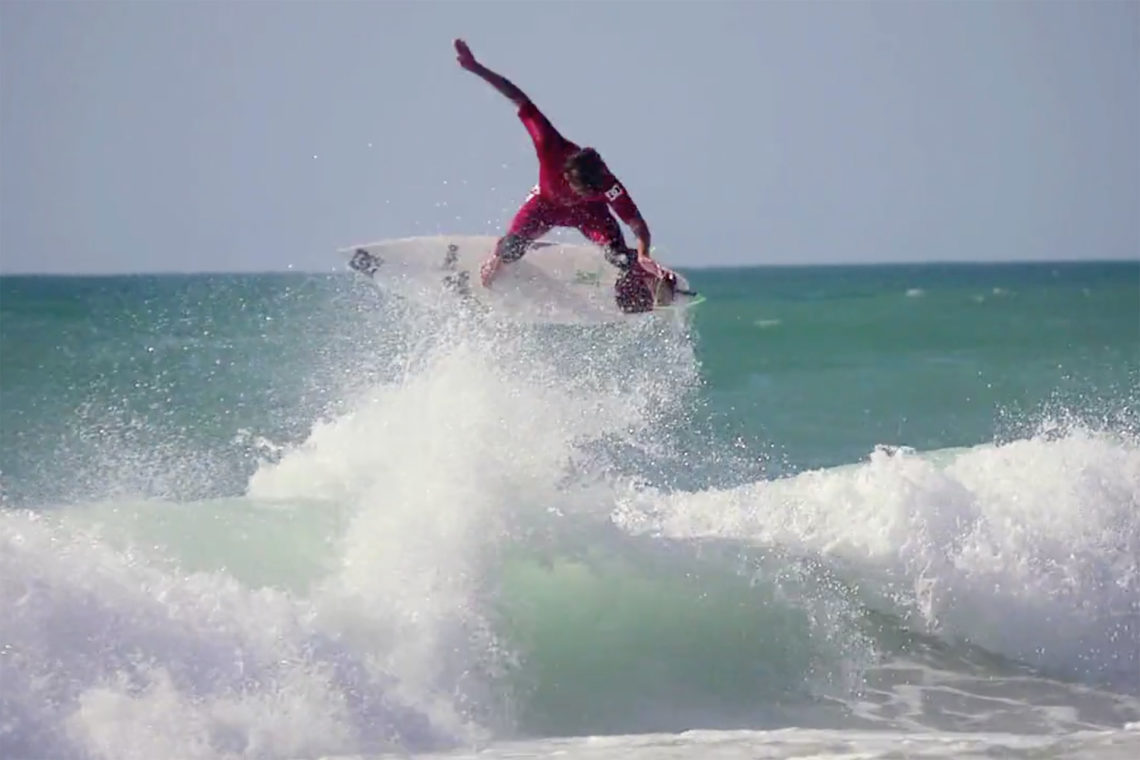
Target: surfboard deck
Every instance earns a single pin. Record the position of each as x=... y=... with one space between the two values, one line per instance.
x=555 y=282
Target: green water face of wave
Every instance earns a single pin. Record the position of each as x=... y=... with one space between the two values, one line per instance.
x=608 y=647
x=616 y=633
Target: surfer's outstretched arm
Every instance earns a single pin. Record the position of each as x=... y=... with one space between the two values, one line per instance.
x=467 y=60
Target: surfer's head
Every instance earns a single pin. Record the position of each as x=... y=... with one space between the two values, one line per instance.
x=586 y=172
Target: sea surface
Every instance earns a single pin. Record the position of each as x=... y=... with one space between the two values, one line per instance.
x=867 y=511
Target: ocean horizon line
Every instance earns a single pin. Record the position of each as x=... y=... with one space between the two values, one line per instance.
x=342 y=269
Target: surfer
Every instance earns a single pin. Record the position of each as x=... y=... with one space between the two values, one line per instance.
x=575 y=189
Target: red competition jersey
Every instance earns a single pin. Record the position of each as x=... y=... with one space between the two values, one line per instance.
x=553 y=149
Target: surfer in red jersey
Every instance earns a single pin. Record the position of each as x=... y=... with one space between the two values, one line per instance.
x=575 y=189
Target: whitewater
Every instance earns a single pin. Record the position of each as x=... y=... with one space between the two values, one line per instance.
x=511 y=541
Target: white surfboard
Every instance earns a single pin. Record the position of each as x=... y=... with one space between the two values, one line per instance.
x=555 y=282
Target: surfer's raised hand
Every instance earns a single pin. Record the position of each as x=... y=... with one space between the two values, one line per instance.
x=464 y=55
x=467 y=60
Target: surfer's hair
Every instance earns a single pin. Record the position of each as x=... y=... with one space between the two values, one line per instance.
x=585 y=166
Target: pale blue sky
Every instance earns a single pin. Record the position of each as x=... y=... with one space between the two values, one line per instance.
x=158 y=136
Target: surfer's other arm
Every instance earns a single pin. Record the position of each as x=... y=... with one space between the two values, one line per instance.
x=505 y=86
x=627 y=211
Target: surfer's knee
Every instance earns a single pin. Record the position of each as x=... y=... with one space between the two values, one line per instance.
x=511 y=247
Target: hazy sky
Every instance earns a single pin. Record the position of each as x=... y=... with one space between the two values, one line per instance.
x=156 y=136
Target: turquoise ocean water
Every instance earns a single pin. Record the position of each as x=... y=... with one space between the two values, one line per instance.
x=840 y=511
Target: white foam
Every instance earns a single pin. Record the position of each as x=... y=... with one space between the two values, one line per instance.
x=818 y=744
x=433 y=468
x=1030 y=549
x=135 y=659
